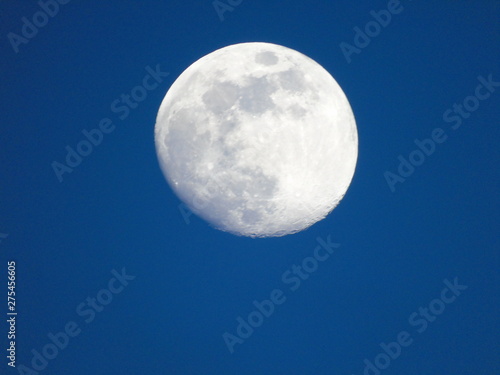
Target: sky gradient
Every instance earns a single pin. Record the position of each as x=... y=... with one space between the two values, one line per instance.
x=415 y=259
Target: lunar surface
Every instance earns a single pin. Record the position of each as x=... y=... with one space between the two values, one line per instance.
x=257 y=139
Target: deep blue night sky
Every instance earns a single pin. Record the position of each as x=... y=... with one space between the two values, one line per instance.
x=427 y=69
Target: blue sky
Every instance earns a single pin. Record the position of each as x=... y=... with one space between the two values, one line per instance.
x=429 y=76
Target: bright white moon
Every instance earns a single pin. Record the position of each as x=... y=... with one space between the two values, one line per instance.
x=257 y=139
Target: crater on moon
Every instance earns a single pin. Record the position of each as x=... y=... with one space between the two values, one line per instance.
x=257 y=139
x=256 y=96
x=266 y=58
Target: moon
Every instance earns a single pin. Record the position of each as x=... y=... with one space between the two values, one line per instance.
x=257 y=139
